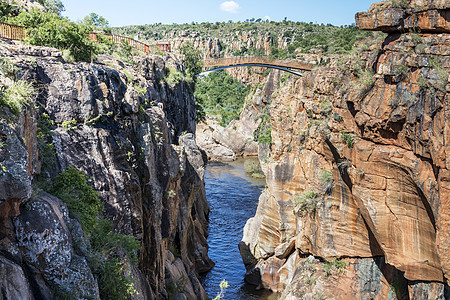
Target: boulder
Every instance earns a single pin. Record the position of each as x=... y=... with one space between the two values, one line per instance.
x=45 y=243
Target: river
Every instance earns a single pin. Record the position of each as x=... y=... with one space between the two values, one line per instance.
x=233 y=197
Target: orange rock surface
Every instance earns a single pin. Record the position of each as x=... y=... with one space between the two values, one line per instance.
x=361 y=168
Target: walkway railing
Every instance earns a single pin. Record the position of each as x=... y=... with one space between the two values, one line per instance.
x=12 y=32
x=119 y=39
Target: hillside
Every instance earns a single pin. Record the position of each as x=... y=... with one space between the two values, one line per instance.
x=252 y=37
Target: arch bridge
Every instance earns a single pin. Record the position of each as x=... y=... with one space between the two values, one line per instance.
x=294 y=67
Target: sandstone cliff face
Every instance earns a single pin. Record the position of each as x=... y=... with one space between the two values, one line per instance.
x=359 y=167
x=125 y=128
x=214 y=47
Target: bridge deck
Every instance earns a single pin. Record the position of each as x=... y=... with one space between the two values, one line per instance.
x=234 y=61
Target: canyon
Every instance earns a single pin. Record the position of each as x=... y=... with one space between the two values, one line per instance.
x=357 y=169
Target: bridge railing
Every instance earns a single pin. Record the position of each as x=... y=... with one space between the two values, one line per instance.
x=12 y=32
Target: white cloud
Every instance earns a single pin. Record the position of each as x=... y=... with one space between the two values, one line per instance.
x=267 y=18
x=230 y=6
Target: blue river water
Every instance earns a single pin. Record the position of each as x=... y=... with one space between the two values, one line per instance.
x=233 y=198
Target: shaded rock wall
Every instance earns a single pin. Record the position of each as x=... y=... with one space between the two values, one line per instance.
x=131 y=133
x=359 y=168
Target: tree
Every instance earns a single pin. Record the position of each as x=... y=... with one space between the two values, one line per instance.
x=54 y=6
x=7 y=10
x=192 y=60
x=95 y=20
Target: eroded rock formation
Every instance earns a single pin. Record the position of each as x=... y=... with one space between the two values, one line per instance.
x=359 y=171
x=131 y=133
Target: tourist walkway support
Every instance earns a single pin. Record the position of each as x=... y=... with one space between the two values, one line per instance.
x=294 y=67
x=12 y=32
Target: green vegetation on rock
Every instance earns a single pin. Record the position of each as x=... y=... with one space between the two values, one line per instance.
x=81 y=198
x=263 y=134
x=17 y=95
x=253 y=168
x=348 y=139
x=307 y=201
x=336 y=265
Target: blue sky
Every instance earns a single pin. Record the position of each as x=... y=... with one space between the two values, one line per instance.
x=139 y=12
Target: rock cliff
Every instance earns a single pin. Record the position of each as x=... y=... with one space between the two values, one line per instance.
x=358 y=170
x=132 y=134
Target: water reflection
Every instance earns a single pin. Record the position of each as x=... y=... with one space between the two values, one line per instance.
x=233 y=198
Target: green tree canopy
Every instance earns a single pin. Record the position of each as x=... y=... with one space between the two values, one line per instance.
x=192 y=59
x=220 y=94
x=96 y=21
x=54 y=6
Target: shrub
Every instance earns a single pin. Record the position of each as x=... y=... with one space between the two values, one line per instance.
x=442 y=74
x=7 y=68
x=69 y=125
x=399 y=3
x=107 y=259
x=113 y=282
x=311 y=280
x=326 y=106
x=307 y=201
x=263 y=134
x=326 y=181
x=401 y=71
x=174 y=76
x=348 y=139
x=335 y=265
x=17 y=95
x=54 y=6
x=7 y=9
x=253 y=168
x=325 y=176
x=366 y=77
x=220 y=94
x=81 y=199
